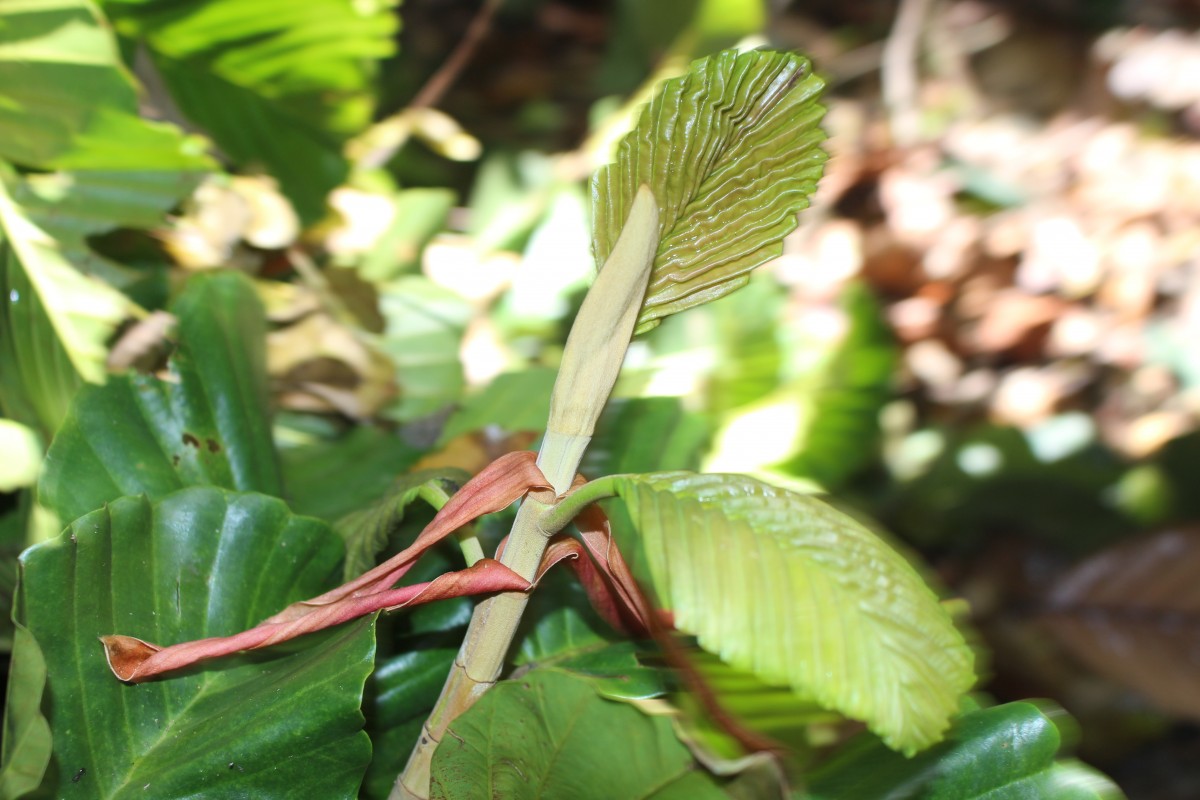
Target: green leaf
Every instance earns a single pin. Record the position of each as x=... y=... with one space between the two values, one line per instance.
x=332 y=478
x=514 y=401
x=644 y=434
x=731 y=151
x=366 y=532
x=424 y=327
x=798 y=593
x=55 y=320
x=72 y=206
x=201 y=562
x=1003 y=753
x=66 y=101
x=28 y=743
x=275 y=83
x=207 y=423
x=550 y=735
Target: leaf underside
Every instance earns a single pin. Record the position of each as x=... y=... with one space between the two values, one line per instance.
x=731 y=151
x=798 y=593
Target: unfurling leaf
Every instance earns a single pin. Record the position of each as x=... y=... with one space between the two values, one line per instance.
x=731 y=151
x=798 y=593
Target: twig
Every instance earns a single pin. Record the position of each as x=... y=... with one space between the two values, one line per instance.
x=900 y=71
x=448 y=72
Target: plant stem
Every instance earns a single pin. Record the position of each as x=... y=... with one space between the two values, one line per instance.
x=591 y=360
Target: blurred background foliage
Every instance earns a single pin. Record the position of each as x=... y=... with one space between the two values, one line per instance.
x=981 y=335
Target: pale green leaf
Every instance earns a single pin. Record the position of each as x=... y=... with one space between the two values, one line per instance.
x=787 y=587
x=731 y=151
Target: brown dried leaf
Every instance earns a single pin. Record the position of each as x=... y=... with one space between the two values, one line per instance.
x=1132 y=613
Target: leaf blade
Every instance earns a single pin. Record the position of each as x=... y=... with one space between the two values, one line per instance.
x=731 y=151
x=786 y=587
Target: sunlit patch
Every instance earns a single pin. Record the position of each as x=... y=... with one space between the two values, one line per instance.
x=762 y=435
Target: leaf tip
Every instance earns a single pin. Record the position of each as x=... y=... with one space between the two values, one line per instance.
x=126 y=655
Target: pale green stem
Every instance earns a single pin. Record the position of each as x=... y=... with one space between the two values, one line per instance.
x=591 y=360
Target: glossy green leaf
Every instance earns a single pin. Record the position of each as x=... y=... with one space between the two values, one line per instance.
x=549 y=734
x=207 y=423
x=366 y=532
x=332 y=478
x=276 y=83
x=1009 y=752
x=201 y=562
x=731 y=151
x=800 y=594
x=66 y=101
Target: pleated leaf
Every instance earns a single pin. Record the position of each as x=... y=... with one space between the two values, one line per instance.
x=731 y=151
x=800 y=594
x=201 y=562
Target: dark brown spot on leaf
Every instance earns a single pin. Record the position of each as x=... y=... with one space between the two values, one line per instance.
x=191 y=440
x=213 y=446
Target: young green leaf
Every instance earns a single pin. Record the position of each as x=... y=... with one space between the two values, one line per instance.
x=200 y=562
x=366 y=531
x=785 y=586
x=731 y=151
x=559 y=741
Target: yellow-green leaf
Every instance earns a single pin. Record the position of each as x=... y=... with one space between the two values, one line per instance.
x=731 y=151
x=800 y=594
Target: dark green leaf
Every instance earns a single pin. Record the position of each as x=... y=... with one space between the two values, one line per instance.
x=1003 y=753
x=550 y=735
x=731 y=151
x=329 y=479
x=206 y=424
x=201 y=562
